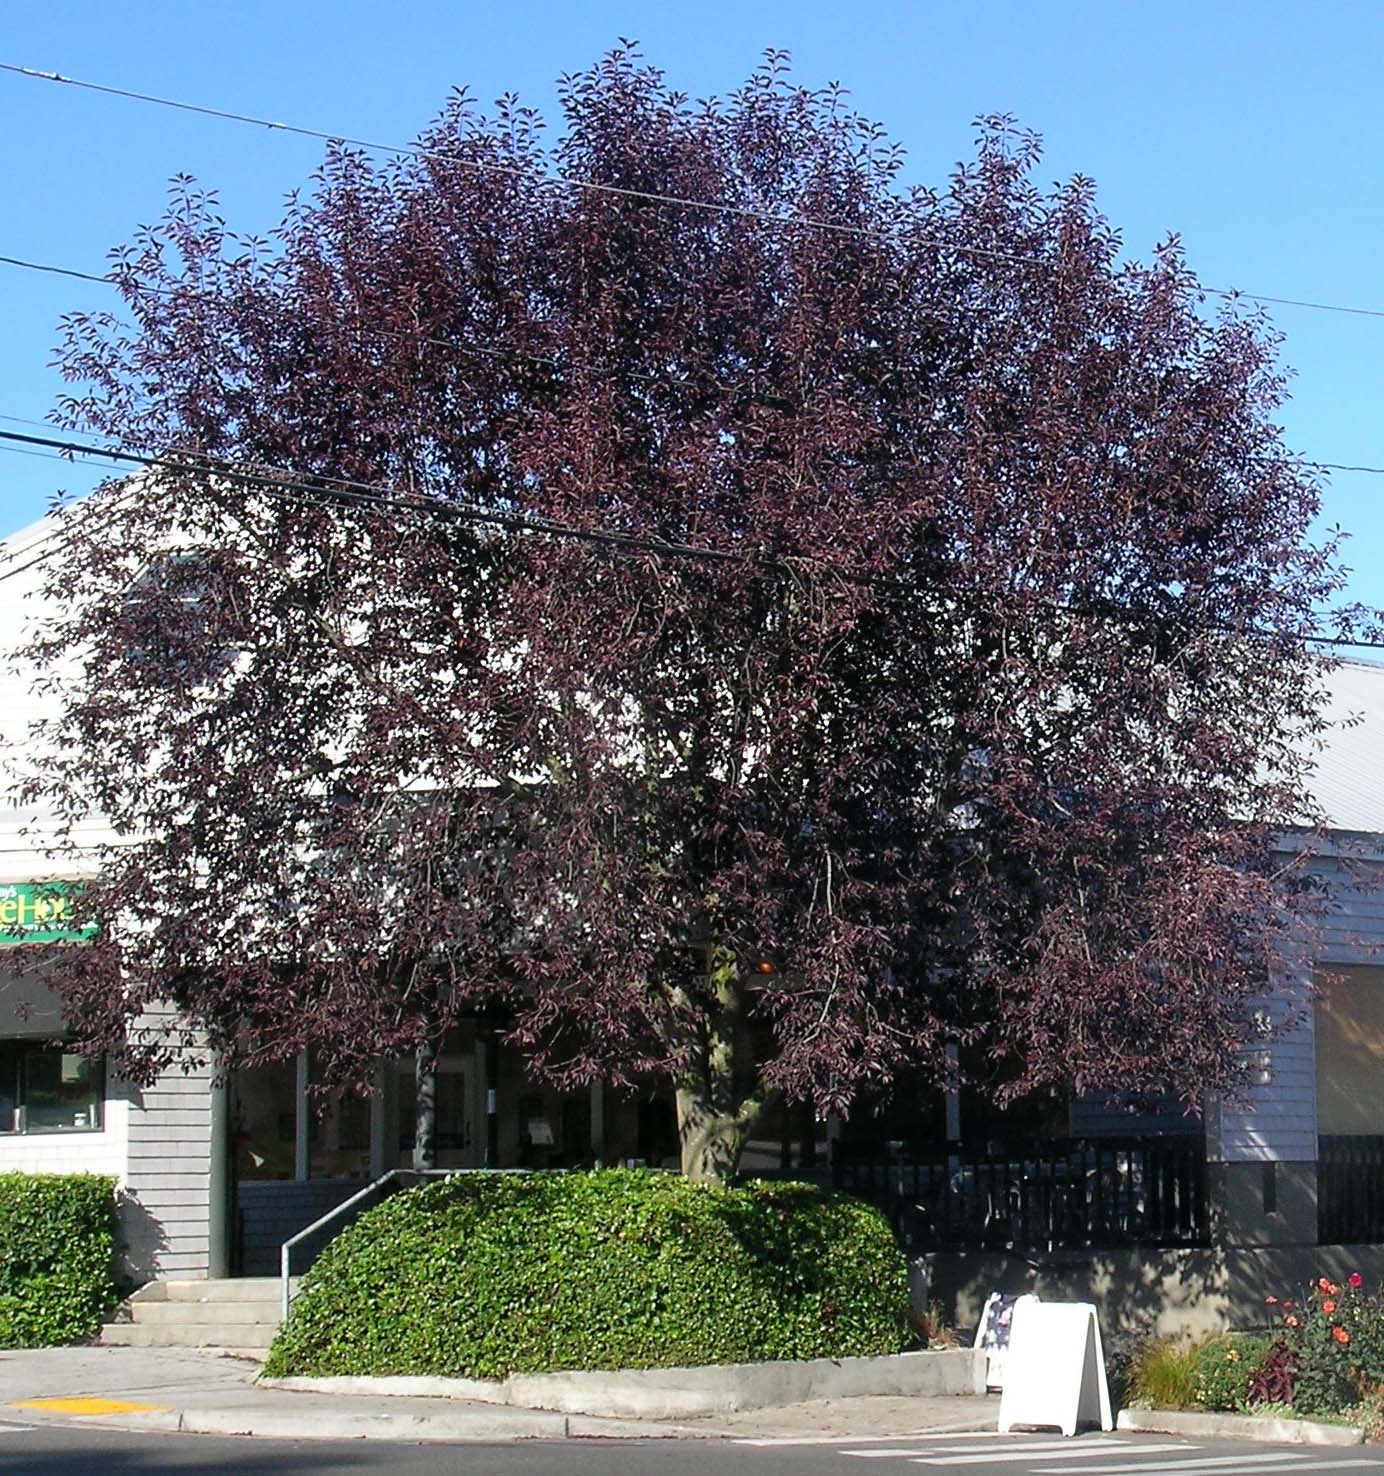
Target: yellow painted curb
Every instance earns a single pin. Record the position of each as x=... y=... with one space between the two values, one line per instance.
x=88 y=1406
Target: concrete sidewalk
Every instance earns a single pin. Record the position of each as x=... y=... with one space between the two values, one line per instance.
x=205 y=1392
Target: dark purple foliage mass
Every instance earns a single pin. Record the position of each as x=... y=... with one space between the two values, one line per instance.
x=950 y=655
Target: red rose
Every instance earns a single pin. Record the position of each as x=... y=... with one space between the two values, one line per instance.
x=1341 y=1335
x=1355 y=1279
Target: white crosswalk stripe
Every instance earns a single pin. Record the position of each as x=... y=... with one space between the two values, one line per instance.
x=892 y=1455
x=917 y=1437
x=1269 y=1460
x=997 y=1447
x=1269 y=1464
x=1083 y=1450
x=1088 y=1455
x=929 y=1447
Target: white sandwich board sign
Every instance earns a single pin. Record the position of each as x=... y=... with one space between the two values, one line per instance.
x=1055 y=1368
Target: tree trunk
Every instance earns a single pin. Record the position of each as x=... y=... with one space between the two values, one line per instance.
x=425 y=1107
x=709 y=1141
x=714 y=1113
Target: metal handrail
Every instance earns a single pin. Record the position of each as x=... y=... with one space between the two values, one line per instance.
x=286 y=1249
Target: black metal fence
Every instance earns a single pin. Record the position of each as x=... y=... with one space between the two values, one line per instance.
x=1074 y=1194
x=1350 y=1189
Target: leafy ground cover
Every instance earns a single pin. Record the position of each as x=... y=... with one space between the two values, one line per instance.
x=486 y=1275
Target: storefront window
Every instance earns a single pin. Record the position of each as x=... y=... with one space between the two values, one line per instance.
x=46 y=1089
x=263 y=1120
x=268 y=1104
x=338 y=1135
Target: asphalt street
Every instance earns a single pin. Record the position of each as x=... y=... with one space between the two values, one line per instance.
x=95 y=1451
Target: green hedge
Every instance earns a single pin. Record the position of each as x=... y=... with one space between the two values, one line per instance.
x=57 y=1246
x=485 y=1275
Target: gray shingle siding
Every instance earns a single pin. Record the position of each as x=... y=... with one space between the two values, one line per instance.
x=168 y=1178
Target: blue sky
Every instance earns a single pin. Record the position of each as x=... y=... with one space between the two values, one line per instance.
x=1252 y=129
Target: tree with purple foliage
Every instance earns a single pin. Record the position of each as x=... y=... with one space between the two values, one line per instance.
x=675 y=585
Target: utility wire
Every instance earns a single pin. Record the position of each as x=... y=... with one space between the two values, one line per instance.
x=57 y=271
x=549 y=361
x=482 y=166
x=322 y=490
x=792 y=221
x=475 y=350
x=372 y=494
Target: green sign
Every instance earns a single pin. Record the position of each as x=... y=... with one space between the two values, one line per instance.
x=39 y=912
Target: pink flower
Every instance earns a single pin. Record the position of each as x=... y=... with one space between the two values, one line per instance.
x=1355 y=1279
x=1271 y=1301
x=1341 y=1335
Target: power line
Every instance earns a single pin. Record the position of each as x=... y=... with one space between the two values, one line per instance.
x=322 y=489
x=57 y=271
x=343 y=489
x=550 y=361
x=513 y=171
x=474 y=350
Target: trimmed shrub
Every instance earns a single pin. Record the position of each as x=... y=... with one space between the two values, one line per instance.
x=484 y=1275
x=57 y=1245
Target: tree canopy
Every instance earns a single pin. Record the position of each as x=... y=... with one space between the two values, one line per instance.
x=671 y=576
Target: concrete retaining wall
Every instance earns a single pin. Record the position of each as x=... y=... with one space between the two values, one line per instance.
x=681 y=1393
x=1168 y=1292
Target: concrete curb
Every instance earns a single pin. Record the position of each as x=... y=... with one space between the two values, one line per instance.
x=1238 y=1427
x=685 y=1393
x=329 y=1424
x=284 y=1424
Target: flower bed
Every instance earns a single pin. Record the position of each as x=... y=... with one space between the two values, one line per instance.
x=1323 y=1361
x=1329 y=1356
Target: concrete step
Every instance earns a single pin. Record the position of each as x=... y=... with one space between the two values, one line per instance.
x=205 y=1335
x=228 y=1289
x=241 y=1313
x=202 y=1314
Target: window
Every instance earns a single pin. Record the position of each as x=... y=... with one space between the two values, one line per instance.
x=177 y=616
x=45 y=1089
x=1350 y=1050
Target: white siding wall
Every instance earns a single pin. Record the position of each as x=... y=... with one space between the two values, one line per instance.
x=1281 y=1125
x=169 y=1174
x=72 y=1153
x=156 y=1141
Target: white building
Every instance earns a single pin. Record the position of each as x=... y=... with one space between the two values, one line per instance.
x=213 y=1178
